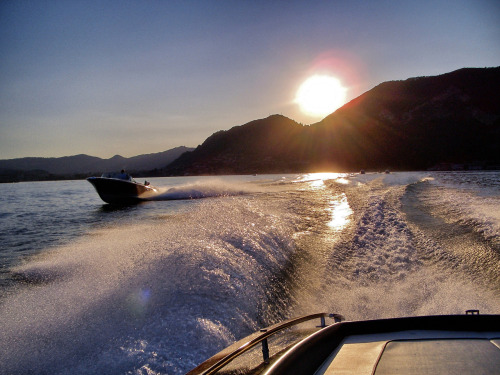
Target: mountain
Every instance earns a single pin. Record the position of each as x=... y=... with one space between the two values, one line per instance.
x=412 y=124
x=68 y=166
x=265 y=145
x=415 y=124
x=419 y=122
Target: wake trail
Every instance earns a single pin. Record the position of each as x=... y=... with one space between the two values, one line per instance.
x=200 y=190
x=380 y=264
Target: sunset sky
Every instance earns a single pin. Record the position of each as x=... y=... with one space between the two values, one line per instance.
x=135 y=77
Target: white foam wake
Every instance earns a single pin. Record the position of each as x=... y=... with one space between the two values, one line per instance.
x=161 y=297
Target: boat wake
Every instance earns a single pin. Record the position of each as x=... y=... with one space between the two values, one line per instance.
x=396 y=255
x=162 y=294
x=156 y=297
x=199 y=190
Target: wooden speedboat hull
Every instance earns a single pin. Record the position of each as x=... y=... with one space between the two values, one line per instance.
x=390 y=346
x=444 y=344
x=117 y=191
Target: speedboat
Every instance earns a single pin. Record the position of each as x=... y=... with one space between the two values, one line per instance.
x=121 y=188
x=442 y=344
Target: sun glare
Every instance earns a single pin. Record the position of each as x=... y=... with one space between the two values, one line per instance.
x=320 y=95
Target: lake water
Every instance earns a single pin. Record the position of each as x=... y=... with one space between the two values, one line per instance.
x=158 y=287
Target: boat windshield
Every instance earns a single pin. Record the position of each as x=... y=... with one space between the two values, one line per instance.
x=119 y=176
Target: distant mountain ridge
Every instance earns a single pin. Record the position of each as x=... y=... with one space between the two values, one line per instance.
x=85 y=164
x=265 y=145
x=413 y=124
x=416 y=123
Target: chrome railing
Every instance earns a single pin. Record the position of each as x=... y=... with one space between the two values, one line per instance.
x=256 y=338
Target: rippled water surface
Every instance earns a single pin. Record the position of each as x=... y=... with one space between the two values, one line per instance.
x=160 y=286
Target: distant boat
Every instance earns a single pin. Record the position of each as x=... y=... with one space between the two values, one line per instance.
x=362 y=171
x=121 y=188
x=387 y=171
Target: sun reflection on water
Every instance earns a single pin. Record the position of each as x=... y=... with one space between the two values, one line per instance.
x=341 y=211
x=317 y=180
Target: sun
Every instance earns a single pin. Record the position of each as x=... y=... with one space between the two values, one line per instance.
x=320 y=95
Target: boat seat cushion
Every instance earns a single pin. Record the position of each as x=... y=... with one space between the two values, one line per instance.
x=441 y=356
